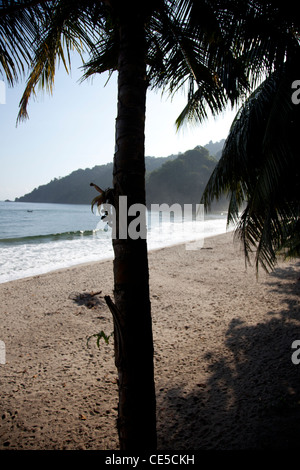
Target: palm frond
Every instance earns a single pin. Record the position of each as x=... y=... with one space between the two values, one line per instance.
x=68 y=29
x=19 y=29
x=104 y=56
x=259 y=169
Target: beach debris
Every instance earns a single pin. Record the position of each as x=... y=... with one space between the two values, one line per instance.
x=88 y=299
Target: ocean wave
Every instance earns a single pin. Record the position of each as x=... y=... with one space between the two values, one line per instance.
x=45 y=238
x=31 y=255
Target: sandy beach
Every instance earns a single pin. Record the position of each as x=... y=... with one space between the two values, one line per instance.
x=223 y=357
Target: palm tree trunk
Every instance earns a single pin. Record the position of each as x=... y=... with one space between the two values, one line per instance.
x=131 y=308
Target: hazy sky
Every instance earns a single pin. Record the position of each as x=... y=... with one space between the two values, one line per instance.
x=74 y=128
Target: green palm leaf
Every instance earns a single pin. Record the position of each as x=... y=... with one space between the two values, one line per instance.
x=68 y=29
x=19 y=28
x=259 y=170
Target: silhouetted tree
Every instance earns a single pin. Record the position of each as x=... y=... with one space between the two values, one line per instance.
x=154 y=43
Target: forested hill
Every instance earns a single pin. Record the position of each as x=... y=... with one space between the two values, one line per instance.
x=181 y=180
x=177 y=178
x=75 y=187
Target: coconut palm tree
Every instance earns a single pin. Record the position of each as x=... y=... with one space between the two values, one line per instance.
x=163 y=44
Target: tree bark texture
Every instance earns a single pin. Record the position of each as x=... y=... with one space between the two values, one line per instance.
x=131 y=309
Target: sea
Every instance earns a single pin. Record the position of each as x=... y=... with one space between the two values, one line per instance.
x=36 y=238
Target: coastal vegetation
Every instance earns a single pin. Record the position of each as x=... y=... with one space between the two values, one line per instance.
x=174 y=179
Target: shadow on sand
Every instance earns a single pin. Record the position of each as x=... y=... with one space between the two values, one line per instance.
x=251 y=401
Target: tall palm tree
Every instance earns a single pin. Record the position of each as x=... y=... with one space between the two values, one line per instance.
x=154 y=43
